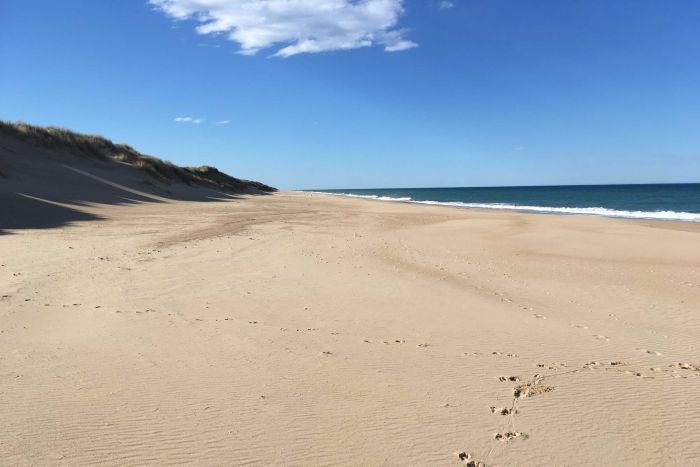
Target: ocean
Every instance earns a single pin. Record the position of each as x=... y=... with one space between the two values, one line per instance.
x=678 y=202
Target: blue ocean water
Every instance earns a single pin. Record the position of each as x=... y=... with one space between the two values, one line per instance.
x=679 y=202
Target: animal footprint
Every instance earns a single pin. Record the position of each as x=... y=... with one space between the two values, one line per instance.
x=650 y=352
x=510 y=435
x=508 y=378
x=467 y=459
x=529 y=390
x=503 y=410
x=600 y=337
x=686 y=366
x=501 y=354
x=552 y=366
x=539 y=316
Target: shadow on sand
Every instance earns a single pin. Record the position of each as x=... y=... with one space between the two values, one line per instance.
x=40 y=192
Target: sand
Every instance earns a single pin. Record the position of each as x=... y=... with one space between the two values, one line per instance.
x=302 y=329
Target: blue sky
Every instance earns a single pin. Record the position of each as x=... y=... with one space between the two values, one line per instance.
x=332 y=94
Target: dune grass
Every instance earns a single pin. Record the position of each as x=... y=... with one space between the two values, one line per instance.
x=98 y=147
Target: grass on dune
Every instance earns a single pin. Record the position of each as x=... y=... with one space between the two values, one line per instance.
x=98 y=147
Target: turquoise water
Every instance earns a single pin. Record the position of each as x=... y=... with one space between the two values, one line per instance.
x=667 y=202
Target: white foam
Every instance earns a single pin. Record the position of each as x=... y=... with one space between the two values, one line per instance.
x=596 y=211
x=351 y=195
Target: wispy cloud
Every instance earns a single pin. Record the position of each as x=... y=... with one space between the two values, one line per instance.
x=188 y=120
x=447 y=4
x=298 y=26
x=199 y=120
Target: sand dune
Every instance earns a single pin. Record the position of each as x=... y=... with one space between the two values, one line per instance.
x=47 y=174
x=302 y=329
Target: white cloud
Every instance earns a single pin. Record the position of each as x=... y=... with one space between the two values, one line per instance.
x=447 y=4
x=296 y=26
x=188 y=120
x=223 y=122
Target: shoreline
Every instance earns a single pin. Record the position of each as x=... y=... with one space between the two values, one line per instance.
x=672 y=216
x=691 y=226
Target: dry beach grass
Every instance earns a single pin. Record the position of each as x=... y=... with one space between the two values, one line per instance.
x=67 y=142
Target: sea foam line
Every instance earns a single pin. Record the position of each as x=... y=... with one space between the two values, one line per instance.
x=596 y=211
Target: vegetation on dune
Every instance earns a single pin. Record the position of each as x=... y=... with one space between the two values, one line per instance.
x=97 y=147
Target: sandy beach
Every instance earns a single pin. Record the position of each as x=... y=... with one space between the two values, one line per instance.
x=303 y=329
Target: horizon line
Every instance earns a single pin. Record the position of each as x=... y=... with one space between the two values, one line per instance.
x=501 y=186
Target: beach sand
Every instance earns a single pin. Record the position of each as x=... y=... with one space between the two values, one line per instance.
x=302 y=329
